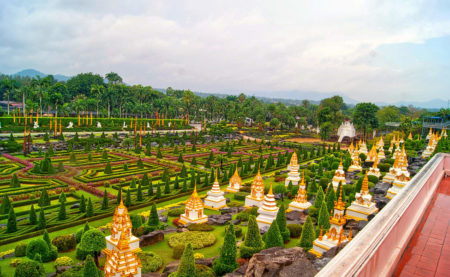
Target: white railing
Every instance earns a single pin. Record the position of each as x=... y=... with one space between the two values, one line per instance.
x=377 y=249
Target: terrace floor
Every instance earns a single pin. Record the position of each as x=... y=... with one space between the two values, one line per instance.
x=428 y=252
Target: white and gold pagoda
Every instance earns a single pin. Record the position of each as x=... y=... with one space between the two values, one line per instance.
x=339 y=176
x=363 y=148
x=300 y=202
x=351 y=148
x=121 y=247
x=374 y=170
x=235 y=182
x=393 y=171
x=444 y=133
x=397 y=151
x=381 y=154
x=193 y=212
x=430 y=133
x=430 y=148
x=372 y=155
x=335 y=235
x=256 y=196
x=363 y=206
x=410 y=137
x=380 y=143
x=401 y=180
x=268 y=210
x=355 y=166
x=391 y=146
x=215 y=199
x=293 y=175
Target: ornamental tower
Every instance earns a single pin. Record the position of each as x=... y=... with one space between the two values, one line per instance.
x=401 y=180
x=355 y=163
x=300 y=202
x=390 y=176
x=215 y=199
x=293 y=175
x=363 y=206
x=335 y=235
x=374 y=170
x=372 y=154
x=339 y=176
x=267 y=211
x=193 y=212
x=363 y=148
x=256 y=195
x=121 y=247
x=235 y=182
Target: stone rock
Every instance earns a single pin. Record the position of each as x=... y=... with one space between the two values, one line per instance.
x=61 y=269
x=381 y=188
x=380 y=201
x=208 y=262
x=174 y=207
x=169 y=230
x=353 y=224
x=151 y=238
x=163 y=218
x=293 y=215
x=236 y=222
x=219 y=219
x=238 y=272
x=280 y=261
x=320 y=263
x=169 y=268
x=334 y=251
x=362 y=224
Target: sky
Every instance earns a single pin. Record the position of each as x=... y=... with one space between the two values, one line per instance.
x=367 y=50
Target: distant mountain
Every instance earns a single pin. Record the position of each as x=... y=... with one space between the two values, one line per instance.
x=434 y=104
x=32 y=73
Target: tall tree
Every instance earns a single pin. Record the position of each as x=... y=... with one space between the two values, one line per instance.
x=364 y=116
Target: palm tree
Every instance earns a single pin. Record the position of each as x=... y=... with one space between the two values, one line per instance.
x=98 y=91
x=9 y=85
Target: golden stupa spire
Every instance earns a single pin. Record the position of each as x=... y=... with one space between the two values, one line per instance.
x=365 y=184
x=350 y=234
x=270 y=189
x=303 y=183
x=216 y=180
x=321 y=232
x=339 y=205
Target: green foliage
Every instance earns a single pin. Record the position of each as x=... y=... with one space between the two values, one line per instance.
x=39 y=246
x=195 y=238
x=203 y=227
x=64 y=243
x=175 y=212
x=319 y=198
x=90 y=209
x=44 y=200
x=20 y=250
x=308 y=235
x=30 y=269
x=330 y=197
x=253 y=242
x=62 y=211
x=153 y=219
x=42 y=223
x=281 y=222
x=323 y=219
x=90 y=269
x=226 y=263
x=62 y=197
x=14 y=183
x=273 y=237
x=187 y=263
x=150 y=261
x=11 y=225
x=108 y=169
x=140 y=195
x=6 y=205
x=128 y=199
x=295 y=230
x=82 y=204
x=105 y=201
x=93 y=241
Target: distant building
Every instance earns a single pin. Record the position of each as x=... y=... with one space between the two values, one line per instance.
x=346 y=130
x=12 y=105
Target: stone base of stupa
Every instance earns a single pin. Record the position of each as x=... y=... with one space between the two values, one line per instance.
x=252 y=202
x=186 y=220
x=388 y=178
x=265 y=220
x=323 y=245
x=359 y=212
x=353 y=168
x=381 y=156
x=395 y=189
x=215 y=204
x=296 y=206
x=427 y=153
x=231 y=189
x=375 y=173
x=294 y=179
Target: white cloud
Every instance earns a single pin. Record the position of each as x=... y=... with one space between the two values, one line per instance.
x=322 y=46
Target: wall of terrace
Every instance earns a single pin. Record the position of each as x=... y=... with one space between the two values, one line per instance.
x=377 y=249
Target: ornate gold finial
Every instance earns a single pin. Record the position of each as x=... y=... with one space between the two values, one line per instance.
x=216 y=180
x=270 y=189
x=321 y=232
x=350 y=234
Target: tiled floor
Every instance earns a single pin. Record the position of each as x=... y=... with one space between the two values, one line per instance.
x=428 y=252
